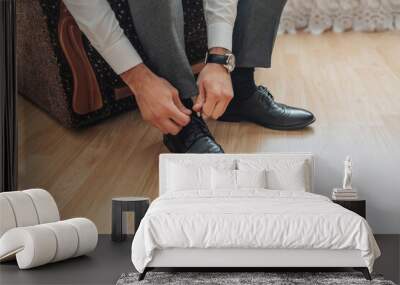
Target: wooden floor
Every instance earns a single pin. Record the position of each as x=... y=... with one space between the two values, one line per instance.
x=350 y=81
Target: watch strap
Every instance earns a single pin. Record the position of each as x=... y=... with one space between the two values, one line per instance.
x=217 y=58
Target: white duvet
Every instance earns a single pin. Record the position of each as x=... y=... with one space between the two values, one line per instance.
x=250 y=219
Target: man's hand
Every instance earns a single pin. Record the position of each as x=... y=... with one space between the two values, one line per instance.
x=158 y=100
x=215 y=90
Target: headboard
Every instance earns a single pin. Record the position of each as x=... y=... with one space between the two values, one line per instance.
x=197 y=159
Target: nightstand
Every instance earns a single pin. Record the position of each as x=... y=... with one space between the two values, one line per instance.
x=357 y=206
x=137 y=205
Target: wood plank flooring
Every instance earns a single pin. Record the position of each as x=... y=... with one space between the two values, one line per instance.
x=350 y=81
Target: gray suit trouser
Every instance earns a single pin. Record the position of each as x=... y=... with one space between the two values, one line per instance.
x=160 y=28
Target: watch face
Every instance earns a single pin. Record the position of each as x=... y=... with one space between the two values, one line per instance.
x=230 y=63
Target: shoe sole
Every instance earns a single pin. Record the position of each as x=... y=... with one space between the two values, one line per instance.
x=273 y=127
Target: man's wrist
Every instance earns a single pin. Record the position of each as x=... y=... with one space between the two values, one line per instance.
x=218 y=50
x=217 y=66
x=222 y=56
x=135 y=76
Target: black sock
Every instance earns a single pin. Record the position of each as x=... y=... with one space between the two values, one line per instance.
x=243 y=82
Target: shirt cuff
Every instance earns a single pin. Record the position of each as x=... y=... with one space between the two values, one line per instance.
x=220 y=35
x=121 y=56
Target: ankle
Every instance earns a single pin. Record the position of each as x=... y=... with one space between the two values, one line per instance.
x=243 y=83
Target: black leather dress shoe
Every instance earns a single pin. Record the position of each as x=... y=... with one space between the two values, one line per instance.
x=193 y=138
x=260 y=108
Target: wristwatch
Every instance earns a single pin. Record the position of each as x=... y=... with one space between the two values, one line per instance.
x=227 y=60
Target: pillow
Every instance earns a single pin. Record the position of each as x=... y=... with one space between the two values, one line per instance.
x=281 y=174
x=223 y=179
x=203 y=161
x=292 y=179
x=251 y=178
x=181 y=177
x=226 y=179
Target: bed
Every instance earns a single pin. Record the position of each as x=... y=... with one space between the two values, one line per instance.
x=247 y=211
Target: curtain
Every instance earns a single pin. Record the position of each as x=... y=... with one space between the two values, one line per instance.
x=8 y=143
x=317 y=16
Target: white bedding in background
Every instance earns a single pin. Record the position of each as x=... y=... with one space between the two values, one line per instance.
x=252 y=218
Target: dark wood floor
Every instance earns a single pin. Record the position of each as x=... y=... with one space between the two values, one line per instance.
x=110 y=260
x=103 y=266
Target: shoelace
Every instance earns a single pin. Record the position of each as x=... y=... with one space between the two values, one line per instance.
x=195 y=129
x=265 y=89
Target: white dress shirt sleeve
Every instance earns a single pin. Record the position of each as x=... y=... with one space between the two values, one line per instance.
x=220 y=18
x=98 y=22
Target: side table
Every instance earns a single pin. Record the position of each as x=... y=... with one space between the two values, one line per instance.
x=357 y=206
x=138 y=205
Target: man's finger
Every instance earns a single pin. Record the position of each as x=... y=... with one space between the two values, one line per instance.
x=199 y=100
x=170 y=127
x=178 y=116
x=181 y=107
x=219 y=109
x=209 y=105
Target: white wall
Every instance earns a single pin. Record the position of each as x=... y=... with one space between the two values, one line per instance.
x=376 y=173
x=377 y=179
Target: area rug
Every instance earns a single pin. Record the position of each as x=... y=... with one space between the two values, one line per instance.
x=244 y=278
